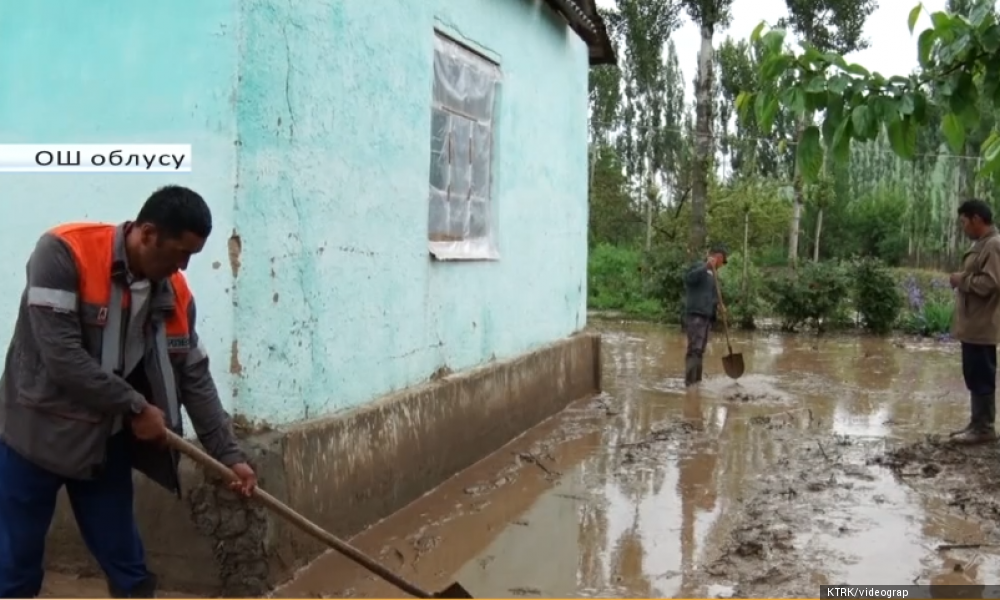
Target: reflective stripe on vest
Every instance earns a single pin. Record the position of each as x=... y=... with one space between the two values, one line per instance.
x=111 y=343
x=163 y=357
x=92 y=248
x=111 y=339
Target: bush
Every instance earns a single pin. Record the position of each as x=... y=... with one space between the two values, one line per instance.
x=745 y=304
x=933 y=320
x=921 y=286
x=929 y=300
x=615 y=282
x=876 y=297
x=664 y=268
x=812 y=296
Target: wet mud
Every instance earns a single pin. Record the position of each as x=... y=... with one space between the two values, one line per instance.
x=964 y=478
x=816 y=467
x=62 y=585
x=823 y=464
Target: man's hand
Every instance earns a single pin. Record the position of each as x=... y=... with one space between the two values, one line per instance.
x=149 y=425
x=247 y=479
x=954 y=279
x=710 y=263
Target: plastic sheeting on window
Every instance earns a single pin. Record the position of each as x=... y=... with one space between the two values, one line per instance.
x=461 y=220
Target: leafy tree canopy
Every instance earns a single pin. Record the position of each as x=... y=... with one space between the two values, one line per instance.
x=957 y=85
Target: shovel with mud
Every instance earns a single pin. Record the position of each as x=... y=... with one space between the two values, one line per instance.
x=454 y=590
x=732 y=363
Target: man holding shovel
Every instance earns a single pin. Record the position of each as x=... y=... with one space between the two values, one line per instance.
x=104 y=353
x=701 y=307
x=977 y=319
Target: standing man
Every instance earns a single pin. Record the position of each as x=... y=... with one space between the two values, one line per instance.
x=104 y=353
x=977 y=319
x=701 y=306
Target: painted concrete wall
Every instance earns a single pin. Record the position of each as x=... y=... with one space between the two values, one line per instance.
x=338 y=301
x=114 y=71
x=311 y=129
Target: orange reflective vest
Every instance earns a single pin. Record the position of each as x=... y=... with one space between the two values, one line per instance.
x=98 y=261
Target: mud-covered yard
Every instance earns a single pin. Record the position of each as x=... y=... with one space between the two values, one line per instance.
x=820 y=466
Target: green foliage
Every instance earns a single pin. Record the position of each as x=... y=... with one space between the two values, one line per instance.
x=873 y=225
x=959 y=57
x=749 y=150
x=613 y=217
x=664 y=268
x=876 y=172
x=812 y=296
x=933 y=321
x=876 y=296
x=929 y=301
x=650 y=286
x=649 y=110
x=614 y=282
x=742 y=292
x=938 y=317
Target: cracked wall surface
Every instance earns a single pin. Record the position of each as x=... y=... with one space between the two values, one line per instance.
x=114 y=71
x=337 y=301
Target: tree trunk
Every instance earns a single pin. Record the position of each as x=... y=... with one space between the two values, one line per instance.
x=799 y=201
x=649 y=217
x=651 y=198
x=746 y=254
x=593 y=165
x=793 y=233
x=819 y=232
x=955 y=233
x=703 y=142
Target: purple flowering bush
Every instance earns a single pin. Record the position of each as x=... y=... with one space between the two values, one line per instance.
x=929 y=302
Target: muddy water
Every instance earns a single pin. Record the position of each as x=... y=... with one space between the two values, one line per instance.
x=766 y=487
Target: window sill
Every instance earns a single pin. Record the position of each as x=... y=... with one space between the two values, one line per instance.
x=436 y=258
x=452 y=252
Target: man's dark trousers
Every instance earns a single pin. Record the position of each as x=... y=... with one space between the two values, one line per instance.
x=979 y=368
x=697 y=328
x=104 y=514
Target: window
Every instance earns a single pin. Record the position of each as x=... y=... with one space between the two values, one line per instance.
x=461 y=216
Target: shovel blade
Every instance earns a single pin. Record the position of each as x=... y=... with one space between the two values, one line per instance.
x=454 y=590
x=733 y=365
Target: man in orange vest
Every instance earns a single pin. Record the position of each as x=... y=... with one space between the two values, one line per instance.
x=104 y=354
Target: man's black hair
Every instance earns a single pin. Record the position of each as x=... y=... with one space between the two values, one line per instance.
x=974 y=207
x=175 y=209
x=719 y=249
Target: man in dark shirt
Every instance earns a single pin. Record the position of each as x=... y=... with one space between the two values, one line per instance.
x=701 y=305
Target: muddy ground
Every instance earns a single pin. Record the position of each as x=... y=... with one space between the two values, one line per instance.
x=821 y=465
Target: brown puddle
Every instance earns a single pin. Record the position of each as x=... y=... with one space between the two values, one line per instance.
x=766 y=487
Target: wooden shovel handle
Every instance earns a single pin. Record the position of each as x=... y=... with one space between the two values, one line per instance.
x=283 y=510
x=725 y=318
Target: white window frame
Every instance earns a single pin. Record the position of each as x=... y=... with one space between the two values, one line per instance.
x=462 y=217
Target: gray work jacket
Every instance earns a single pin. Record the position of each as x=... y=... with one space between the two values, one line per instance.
x=62 y=394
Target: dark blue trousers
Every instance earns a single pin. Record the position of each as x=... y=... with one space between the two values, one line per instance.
x=979 y=368
x=103 y=511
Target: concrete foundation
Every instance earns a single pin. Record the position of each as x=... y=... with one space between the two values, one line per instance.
x=345 y=473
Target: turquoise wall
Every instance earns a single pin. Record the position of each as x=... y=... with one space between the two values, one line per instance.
x=115 y=71
x=338 y=299
x=311 y=130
